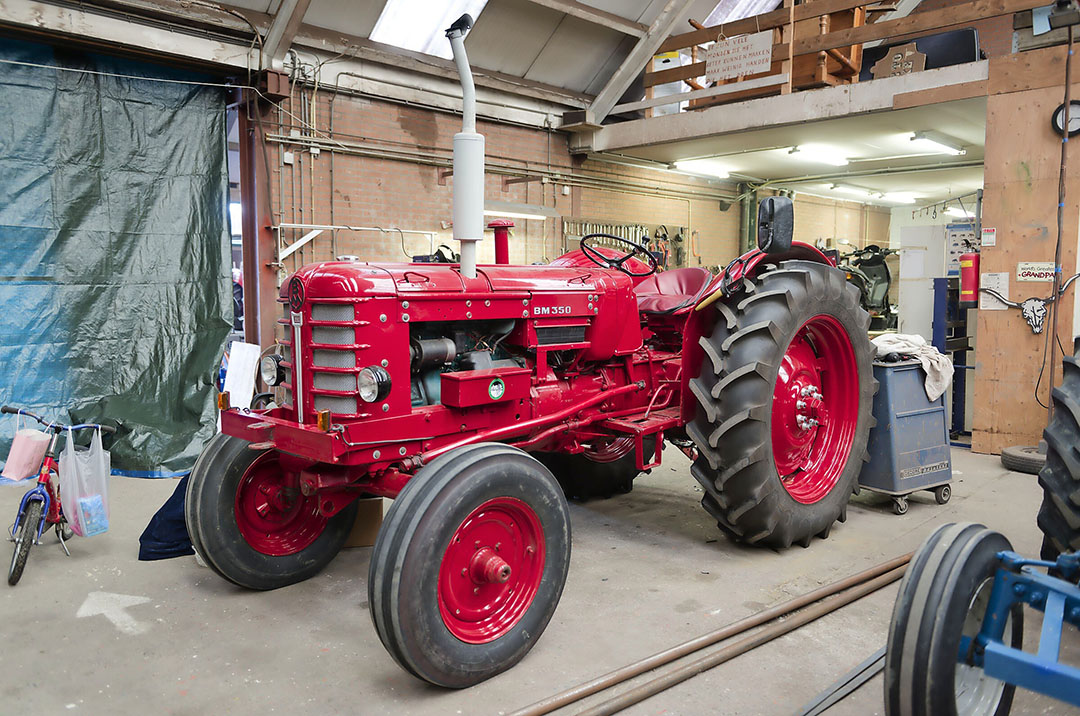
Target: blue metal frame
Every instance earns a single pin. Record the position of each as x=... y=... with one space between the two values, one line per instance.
x=40 y=494
x=1018 y=582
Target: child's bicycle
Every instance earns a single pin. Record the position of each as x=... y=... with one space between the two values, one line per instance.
x=41 y=505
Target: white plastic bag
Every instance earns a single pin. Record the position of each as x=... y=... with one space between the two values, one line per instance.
x=84 y=486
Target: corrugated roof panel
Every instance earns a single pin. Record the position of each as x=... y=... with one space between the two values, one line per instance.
x=348 y=16
x=264 y=6
x=510 y=34
x=630 y=9
x=607 y=69
x=574 y=54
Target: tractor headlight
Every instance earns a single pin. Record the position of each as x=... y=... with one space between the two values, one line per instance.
x=373 y=383
x=270 y=370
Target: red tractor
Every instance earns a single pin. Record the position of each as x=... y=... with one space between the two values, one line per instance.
x=458 y=390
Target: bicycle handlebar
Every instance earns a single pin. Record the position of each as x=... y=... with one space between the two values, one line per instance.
x=51 y=425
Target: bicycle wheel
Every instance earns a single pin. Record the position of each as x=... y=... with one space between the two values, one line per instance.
x=24 y=540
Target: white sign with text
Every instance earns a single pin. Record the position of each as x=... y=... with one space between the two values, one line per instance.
x=1035 y=271
x=999 y=282
x=740 y=55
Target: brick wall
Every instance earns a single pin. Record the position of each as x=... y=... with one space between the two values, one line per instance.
x=818 y=218
x=995 y=33
x=406 y=192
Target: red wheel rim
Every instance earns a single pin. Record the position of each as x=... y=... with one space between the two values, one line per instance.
x=271 y=513
x=815 y=409
x=491 y=570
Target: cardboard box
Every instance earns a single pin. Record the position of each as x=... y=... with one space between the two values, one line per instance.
x=369 y=516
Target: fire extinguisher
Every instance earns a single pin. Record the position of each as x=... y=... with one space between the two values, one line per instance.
x=969 y=280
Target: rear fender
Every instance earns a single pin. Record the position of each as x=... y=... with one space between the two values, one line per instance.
x=699 y=323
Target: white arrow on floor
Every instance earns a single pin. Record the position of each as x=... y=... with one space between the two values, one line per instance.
x=112 y=606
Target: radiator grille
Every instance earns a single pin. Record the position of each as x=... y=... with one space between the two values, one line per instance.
x=287 y=392
x=332 y=312
x=556 y=335
x=336 y=404
x=334 y=359
x=335 y=335
x=335 y=381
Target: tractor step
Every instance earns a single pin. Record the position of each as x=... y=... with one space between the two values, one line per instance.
x=654 y=424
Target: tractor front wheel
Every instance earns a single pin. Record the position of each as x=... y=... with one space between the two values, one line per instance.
x=248 y=519
x=943 y=598
x=469 y=565
x=784 y=405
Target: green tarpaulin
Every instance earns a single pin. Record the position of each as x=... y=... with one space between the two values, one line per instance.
x=114 y=265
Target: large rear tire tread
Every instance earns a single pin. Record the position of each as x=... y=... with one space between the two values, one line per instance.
x=1059 y=515
x=928 y=620
x=210 y=516
x=734 y=393
x=414 y=538
x=24 y=541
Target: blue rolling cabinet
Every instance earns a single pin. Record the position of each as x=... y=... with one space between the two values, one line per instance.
x=909 y=446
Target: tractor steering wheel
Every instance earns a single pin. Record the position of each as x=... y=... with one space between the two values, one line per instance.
x=604 y=262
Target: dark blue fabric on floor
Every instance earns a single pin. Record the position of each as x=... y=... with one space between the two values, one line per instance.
x=166 y=536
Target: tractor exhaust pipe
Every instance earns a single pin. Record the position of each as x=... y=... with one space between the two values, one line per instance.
x=468 y=158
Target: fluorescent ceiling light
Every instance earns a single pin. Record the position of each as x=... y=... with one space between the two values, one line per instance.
x=937 y=143
x=962 y=213
x=899 y=197
x=515 y=215
x=520 y=210
x=853 y=190
x=420 y=25
x=819 y=154
x=708 y=167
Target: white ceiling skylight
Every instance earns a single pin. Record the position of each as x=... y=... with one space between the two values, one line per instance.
x=731 y=10
x=420 y=25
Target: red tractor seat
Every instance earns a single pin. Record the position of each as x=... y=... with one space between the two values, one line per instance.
x=672 y=291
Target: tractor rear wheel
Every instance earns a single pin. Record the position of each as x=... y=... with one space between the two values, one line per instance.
x=469 y=565
x=1059 y=515
x=248 y=519
x=784 y=398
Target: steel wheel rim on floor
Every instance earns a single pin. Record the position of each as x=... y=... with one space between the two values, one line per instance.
x=976 y=693
x=815 y=409
x=273 y=517
x=491 y=570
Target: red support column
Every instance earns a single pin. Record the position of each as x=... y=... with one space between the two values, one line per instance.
x=259 y=247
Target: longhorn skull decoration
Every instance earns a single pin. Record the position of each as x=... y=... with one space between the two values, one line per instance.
x=1033 y=310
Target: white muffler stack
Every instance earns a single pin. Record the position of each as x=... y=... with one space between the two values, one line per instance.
x=468 y=158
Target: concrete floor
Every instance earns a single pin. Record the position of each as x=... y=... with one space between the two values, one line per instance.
x=649 y=570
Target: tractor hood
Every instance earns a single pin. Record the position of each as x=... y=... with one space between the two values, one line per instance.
x=343 y=279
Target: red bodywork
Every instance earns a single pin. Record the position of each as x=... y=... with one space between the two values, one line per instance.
x=592 y=370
